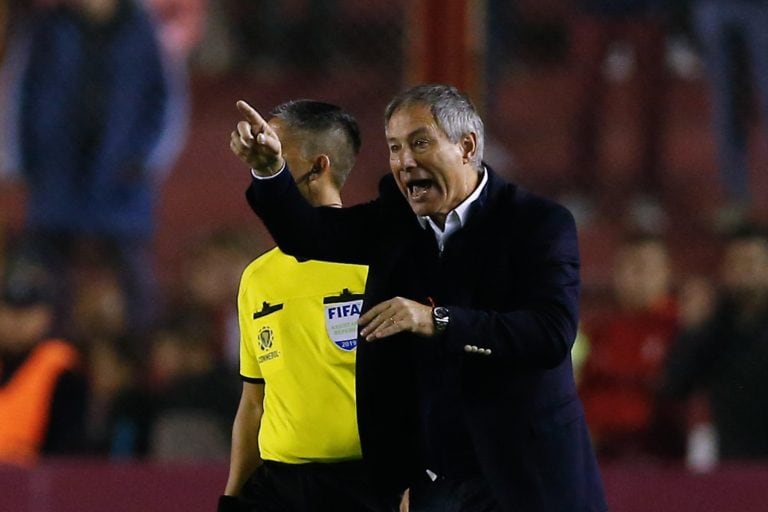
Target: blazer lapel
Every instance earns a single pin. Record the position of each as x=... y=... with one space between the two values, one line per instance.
x=477 y=242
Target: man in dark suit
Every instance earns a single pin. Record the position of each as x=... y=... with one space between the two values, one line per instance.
x=464 y=384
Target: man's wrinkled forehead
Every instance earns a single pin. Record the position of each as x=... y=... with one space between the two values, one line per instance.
x=411 y=120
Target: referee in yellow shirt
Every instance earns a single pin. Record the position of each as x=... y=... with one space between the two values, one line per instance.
x=295 y=445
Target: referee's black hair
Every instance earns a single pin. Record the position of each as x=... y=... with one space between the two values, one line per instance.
x=319 y=116
x=334 y=130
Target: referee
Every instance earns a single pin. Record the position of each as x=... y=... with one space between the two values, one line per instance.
x=295 y=445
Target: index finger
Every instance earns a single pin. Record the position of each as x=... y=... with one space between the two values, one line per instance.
x=250 y=114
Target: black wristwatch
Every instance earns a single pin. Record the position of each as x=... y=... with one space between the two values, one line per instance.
x=441 y=318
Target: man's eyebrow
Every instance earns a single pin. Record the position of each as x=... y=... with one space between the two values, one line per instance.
x=422 y=130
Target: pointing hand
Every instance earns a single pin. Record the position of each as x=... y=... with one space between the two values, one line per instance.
x=256 y=143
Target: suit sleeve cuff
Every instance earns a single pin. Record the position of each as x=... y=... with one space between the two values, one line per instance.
x=259 y=177
x=455 y=339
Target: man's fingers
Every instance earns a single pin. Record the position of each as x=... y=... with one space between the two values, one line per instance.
x=235 y=143
x=388 y=326
x=245 y=133
x=264 y=136
x=394 y=316
x=254 y=127
x=375 y=311
x=251 y=115
x=380 y=321
x=256 y=143
x=372 y=324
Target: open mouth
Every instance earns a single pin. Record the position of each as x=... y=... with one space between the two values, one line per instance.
x=417 y=188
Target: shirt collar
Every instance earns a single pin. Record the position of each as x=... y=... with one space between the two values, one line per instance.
x=461 y=212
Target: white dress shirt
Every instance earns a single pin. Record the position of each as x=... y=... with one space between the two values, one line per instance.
x=457 y=217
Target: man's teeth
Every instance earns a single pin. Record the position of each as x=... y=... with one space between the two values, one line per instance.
x=419 y=188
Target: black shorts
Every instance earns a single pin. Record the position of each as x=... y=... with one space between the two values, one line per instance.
x=312 y=487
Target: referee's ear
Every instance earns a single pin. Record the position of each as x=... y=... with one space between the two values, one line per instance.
x=320 y=167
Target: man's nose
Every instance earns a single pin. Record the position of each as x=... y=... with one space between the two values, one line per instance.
x=406 y=159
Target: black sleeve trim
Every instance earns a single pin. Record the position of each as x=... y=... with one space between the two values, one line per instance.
x=252 y=380
x=344 y=296
x=266 y=309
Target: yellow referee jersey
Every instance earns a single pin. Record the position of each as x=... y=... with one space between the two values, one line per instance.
x=298 y=325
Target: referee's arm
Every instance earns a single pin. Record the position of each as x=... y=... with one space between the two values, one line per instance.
x=245 y=457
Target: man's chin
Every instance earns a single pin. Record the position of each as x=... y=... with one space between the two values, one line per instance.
x=421 y=209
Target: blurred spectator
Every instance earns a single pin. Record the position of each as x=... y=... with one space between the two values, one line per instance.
x=180 y=24
x=121 y=408
x=735 y=43
x=502 y=39
x=99 y=304
x=628 y=345
x=723 y=349
x=4 y=39
x=179 y=346
x=42 y=390
x=313 y=46
x=270 y=33
x=198 y=395
x=95 y=76
x=208 y=283
x=599 y=30
x=3 y=25
x=14 y=39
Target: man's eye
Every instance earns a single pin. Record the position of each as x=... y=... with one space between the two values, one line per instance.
x=394 y=148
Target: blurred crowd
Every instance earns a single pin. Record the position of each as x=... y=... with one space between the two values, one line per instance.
x=96 y=359
x=94 y=385
x=675 y=364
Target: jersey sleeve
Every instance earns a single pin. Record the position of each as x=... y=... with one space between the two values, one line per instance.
x=249 y=364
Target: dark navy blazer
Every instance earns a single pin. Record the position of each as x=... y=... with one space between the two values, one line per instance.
x=510 y=278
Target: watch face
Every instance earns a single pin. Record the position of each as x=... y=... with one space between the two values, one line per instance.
x=440 y=317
